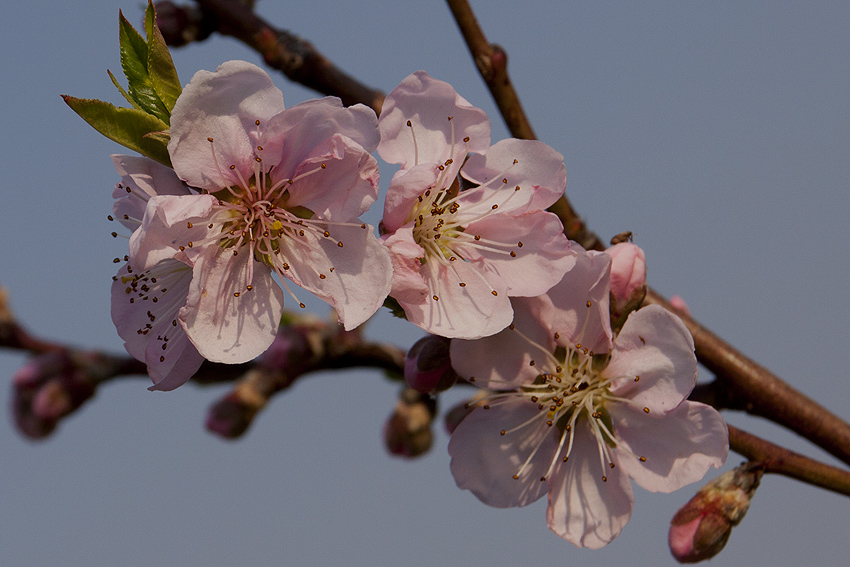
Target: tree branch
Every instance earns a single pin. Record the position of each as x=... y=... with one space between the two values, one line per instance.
x=779 y=460
x=295 y=57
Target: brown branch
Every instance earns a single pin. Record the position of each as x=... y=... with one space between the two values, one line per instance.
x=60 y=379
x=297 y=58
x=779 y=460
x=492 y=63
x=747 y=385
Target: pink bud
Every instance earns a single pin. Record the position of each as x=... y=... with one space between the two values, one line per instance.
x=628 y=281
x=428 y=366
x=701 y=528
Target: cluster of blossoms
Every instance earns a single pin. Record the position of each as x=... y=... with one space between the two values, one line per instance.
x=260 y=195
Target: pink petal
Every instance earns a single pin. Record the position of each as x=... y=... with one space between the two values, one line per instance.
x=223 y=105
x=354 y=278
x=145 y=316
x=679 y=446
x=291 y=136
x=538 y=264
x=655 y=346
x=166 y=227
x=223 y=327
x=405 y=189
x=539 y=172
x=341 y=180
x=141 y=179
x=503 y=360
x=484 y=461
x=584 y=509
x=408 y=284
x=427 y=104
x=477 y=309
x=574 y=320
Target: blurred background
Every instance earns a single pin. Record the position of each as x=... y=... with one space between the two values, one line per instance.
x=717 y=132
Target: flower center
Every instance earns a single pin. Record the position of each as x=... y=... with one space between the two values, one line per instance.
x=253 y=218
x=570 y=391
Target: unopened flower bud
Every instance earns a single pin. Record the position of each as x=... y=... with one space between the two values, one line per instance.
x=428 y=366
x=180 y=25
x=628 y=281
x=52 y=385
x=701 y=528
x=407 y=432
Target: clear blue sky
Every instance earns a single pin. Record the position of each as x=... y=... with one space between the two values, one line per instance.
x=719 y=133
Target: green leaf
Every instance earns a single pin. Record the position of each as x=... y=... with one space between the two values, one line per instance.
x=134 y=61
x=124 y=93
x=162 y=137
x=130 y=127
x=163 y=74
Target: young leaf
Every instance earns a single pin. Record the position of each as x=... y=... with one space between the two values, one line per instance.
x=134 y=61
x=121 y=90
x=130 y=127
x=161 y=68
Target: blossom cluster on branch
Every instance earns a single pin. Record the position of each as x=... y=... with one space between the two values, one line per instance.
x=236 y=196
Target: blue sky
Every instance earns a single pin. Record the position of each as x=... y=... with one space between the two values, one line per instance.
x=717 y=132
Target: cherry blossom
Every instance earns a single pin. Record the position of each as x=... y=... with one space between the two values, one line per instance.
x=275 y=191
x=461 y=247
x=576 y=412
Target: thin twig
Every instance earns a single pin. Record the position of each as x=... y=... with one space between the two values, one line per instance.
x=492 y=63
x=290 y=54
x=779 y=460
x=756 y=390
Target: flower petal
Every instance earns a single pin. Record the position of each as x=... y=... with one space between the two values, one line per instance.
x=468 y=303
x=439 y=120
x=533 y=166
x=408 y=283
x=169 y=223
x=584 y=509
x=534 y=256
x=504 y=360
x=144 y=310
x=223 y=105
x=655 y=346
x=340 y=180
x=141 y=179
x=354 y=278
x=485 y=462
x=405 y=189
x=224 y=327
x=679 y=446
x=289 y=138
x=582 y=317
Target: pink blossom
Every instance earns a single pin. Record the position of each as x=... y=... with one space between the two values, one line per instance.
x=275 y=192
x=460 y=249
x=578 y=412
x=146 y=299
